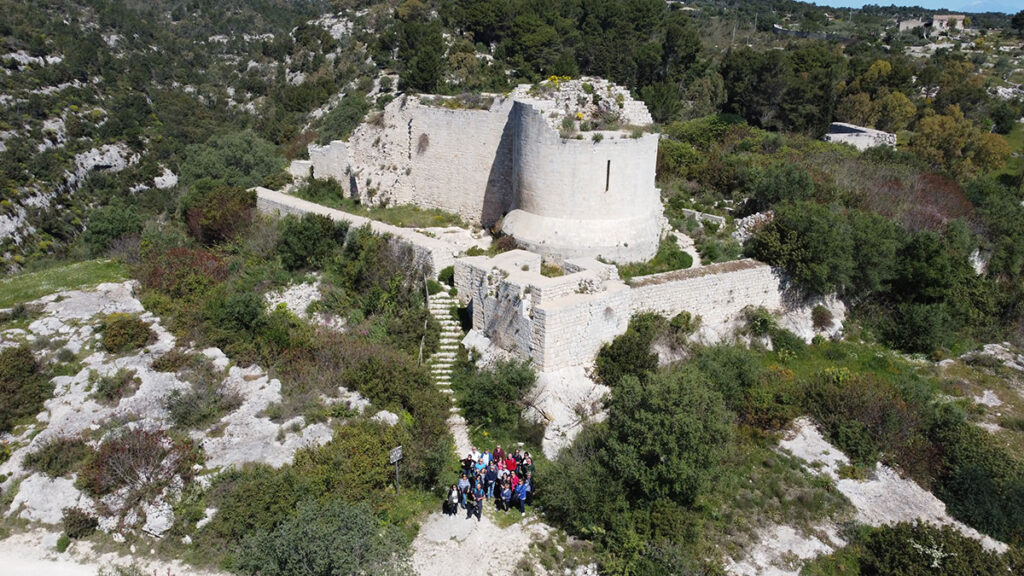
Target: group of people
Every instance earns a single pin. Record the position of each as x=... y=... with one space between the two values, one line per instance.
x=505 y=477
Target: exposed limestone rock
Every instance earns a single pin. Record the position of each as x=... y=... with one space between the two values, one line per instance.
x=883 y=499
x=43 y=499
x=159 y=518
x=389 y=418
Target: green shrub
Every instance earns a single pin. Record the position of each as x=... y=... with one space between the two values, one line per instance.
x=240 y=159
x=326 y=539
x=665 y=436
x=447 y=275
x=62 y=543
x=23 y=387
x=495 y=397
x=109 y=224
x=216 y=213
x=205 y=402
x=78 y=523
x=58 y=457
x=685 y=323
x=174 y=360
x=821 y=317
x=343 y=118
x=434 y=287
x=182 y=273
x=309 y=241
x=631 y=353
x=143 y=460
x=760 y=321
x=110 y=389
x=669 y=257
x=125 y=332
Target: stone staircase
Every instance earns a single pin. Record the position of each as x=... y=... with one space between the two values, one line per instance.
x=441 y=363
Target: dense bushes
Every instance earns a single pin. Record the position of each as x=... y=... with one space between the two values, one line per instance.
x=58 y=457
x=495 y=396
x=309 y=241
x=344 y=118
x=240 y=159
x=216 y=212
x=326 y=539
x=78 y=523
x=125 y=332
x=203 y=403
x=142 y=460
x=915 y=550
x=631 y=483
x=23 y=387
x=109 y=224
x=669 y=257
x=110 y=389
x=631 y=352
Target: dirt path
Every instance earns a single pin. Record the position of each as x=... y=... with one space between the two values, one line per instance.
x=32 y=553
x=455 y=546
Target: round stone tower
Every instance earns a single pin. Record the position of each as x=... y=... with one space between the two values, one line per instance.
x=584 y=193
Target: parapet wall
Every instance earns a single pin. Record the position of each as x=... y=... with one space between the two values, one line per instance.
x=431 y=252
x=564 y=321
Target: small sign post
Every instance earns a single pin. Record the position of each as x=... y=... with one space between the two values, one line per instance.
x=396 y=455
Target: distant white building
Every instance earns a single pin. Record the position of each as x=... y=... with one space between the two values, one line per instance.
x=938 y=23
x=859 y=137
x=948 y=22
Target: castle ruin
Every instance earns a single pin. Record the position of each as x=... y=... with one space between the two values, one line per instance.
x=568 y=170
x=565 y=166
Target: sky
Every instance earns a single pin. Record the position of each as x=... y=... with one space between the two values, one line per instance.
x=1008 y=6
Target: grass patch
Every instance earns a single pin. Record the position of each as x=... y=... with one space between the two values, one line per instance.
x=551 y=270
x=329 y=193
x=32 y=285
x=669 y=257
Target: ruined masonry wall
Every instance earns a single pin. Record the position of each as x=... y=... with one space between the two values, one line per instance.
x=464 y=164
x=571 y=332
x=437 y=254
x=718 y=298
x=562 y=322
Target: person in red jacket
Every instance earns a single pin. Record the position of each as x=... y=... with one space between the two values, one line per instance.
x=498 y=455
x=511 y=464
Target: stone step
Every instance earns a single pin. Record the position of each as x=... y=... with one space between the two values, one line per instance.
x=445 y=391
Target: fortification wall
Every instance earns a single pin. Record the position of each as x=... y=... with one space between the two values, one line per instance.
x=584 y=198
x=461 y=161
x=562 y=322
x=435 y=254
x=583 y=179
x=717 y=292
x=571 y=330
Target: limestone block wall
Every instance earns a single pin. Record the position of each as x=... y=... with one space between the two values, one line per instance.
x=461 y=161
x=435 y=254
x=562 y=322
x=330 y=161
x=584 y=197
x=457 y=160
x=571 y=330
x=717 y=292
x=564 y=198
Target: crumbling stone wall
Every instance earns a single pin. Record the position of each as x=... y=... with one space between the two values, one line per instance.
x=563 y=321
